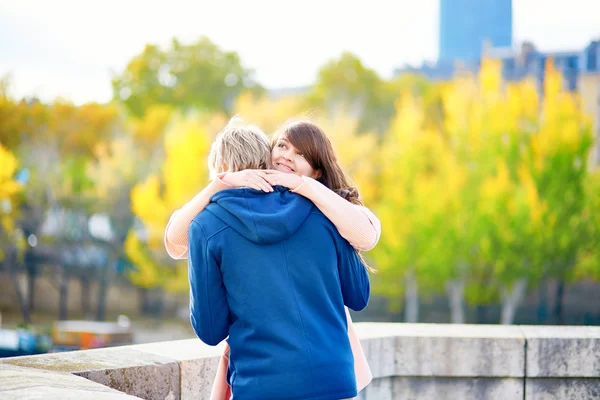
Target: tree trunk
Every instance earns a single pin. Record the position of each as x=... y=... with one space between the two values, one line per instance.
x=558 y=302
x=84 y=282
x=412 y=298
x=31 y=278
x=160 y=304
x=542 y=307
x=102 y=288
x=63 y=312
x=511 y=299
x=456 y=295
x=105 y=278
x=481 y=312
x=11 y=261
x=143 y=301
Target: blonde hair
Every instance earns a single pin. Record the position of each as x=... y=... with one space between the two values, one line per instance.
x=239 y=146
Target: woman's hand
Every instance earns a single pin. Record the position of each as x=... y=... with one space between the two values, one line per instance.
x=252 y=178
x=290 y=181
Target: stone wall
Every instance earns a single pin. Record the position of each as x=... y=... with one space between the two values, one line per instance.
x=409 y=361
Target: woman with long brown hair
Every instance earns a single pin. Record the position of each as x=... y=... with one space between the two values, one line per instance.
x=303 y=160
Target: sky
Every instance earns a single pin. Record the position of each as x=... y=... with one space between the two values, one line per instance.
x=72 y=48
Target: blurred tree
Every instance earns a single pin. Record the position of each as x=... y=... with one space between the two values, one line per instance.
x=148 y=131
x=183 y=174
x=357 y=153
x=485 y=198
x=117 y=167
x=410 y=203
x=72 y=130
x=558 y=158
x=588 y=259
x=9 y=189
x=11 y=240
x=501 y=206
x=9 y=117
x=199 y=75
x=345 y=85
x=265 y=112
x=54 y=142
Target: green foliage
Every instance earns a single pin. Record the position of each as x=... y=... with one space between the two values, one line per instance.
x=346 y=85
x=484 y=183
x=199 y=75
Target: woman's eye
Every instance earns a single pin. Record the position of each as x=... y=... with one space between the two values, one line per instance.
x=301 y=155
x=281 y=145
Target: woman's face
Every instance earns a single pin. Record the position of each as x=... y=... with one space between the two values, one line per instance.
x=286 y=158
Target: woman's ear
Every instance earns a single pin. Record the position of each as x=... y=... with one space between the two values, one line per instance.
x=317 y=174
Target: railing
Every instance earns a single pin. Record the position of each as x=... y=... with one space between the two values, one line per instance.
x=409 y=361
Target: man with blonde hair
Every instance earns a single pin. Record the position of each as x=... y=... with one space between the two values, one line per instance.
x=270 y=271
x=237 y=147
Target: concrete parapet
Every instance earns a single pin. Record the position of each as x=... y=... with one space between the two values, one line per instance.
x=20 y=383
x=409 y=361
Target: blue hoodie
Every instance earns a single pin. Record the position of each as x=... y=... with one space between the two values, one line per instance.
x=273 y=273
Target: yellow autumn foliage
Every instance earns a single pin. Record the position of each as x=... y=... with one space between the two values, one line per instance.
x=357 y=153
x=473 y=190
x=183 y=174
x=9 y=188
x=265 y=112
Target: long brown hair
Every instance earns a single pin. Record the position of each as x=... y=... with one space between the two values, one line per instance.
x=311 y=141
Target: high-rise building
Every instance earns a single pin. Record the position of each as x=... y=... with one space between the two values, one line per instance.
x=466 y=25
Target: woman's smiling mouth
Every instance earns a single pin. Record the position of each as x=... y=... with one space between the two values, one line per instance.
x=285 y=168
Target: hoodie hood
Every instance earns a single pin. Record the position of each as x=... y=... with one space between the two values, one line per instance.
x=261 y=217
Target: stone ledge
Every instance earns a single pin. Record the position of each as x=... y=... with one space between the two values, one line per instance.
x=125 y=369
x=392 y=388
x=197 y=364
x=427 y=350
x=563 y=351
x=568 y=388
x=181 y=369
x=29 y=383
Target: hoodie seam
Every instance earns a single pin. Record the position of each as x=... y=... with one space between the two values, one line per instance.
x=293 y=291
x=288 y=225
x=217 y=232
x=252 y=215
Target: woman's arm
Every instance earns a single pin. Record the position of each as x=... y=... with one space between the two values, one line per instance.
x=176 y=233
x=357 y=224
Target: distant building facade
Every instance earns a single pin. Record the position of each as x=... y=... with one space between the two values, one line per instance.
x=517 y=64
x=465 y=25
x=472 y=29
x=588 y=87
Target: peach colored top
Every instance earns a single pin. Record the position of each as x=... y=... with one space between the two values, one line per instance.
x=355 y=223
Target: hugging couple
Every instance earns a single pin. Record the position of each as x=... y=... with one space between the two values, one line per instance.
x=273 y=246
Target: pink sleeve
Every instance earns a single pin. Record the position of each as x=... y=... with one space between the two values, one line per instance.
x=357 y=224
x=361 y=366
x=176 y=233
x=221 y=389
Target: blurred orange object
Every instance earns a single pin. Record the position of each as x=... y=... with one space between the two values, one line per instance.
x=91 y=334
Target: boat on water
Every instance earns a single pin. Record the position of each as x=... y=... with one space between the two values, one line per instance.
x=66 y=336
x=81 y=335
